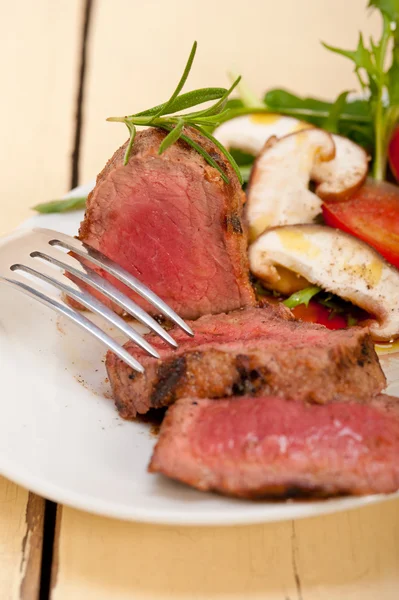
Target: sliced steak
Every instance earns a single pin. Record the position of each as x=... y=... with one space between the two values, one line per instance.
x=269 y=446
x=253 y=351
x=172 y=222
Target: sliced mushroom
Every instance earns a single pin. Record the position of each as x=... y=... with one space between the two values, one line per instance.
x=336 y=262
x=278 y=189
x=249 y=133
x=338 y=178
x=278 y=192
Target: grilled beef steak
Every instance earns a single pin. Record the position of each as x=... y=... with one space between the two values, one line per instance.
x=269 y=446
x=253 y=351
x=172 y=222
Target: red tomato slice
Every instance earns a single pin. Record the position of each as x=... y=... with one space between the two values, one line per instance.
x=393 y=153
x=370 y=214
x=317 y=313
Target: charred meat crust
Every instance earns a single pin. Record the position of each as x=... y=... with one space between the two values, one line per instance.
x=348 y=366
x=233 y=223
x=169 y=375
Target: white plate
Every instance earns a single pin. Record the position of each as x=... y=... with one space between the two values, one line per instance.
x=61 y=437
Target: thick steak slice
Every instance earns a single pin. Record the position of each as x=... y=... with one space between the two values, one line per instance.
x=269 y=446
x=253 y=351
x=172 y=222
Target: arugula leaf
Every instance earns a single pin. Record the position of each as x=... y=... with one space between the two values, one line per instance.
x=381 y=84
x=281 y=100
x=331 y=123
x=354 y=121
x=242 y=159
x=302 y=297
x=334 y=303
x=58 y=206
x=244 y=162
x=350 y=321
x=260 y=290
x=362 y=59
x=389 y=7
x=245 y=171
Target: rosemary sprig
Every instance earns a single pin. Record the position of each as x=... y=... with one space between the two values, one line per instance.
x=64 y=205
x=167 y=116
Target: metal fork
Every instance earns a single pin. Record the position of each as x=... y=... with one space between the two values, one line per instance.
x=28 y=257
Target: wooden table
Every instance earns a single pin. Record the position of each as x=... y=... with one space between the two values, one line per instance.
x=67 y=65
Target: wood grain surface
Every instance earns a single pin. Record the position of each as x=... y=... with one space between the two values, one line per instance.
x=352 y=555
x=39 y=48
x=54 y=133
x=21 y=532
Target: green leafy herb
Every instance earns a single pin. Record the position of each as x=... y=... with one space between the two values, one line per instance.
x=302 y=297
x=331 y=123
x=58 y=206
x=350 y=321
x=260 y=290
x=354 y=121
x=167 y=116
x=245 y=171
x=380 y=83
x=334 y=304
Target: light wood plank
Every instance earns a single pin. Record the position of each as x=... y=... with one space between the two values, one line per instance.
x=39 y=50
x=352 y=555
x=21 y=535
x=139 y=48
x=39 y=44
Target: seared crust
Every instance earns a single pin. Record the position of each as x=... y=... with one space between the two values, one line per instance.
x=315 y=373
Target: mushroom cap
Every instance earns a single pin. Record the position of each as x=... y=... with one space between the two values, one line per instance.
x=279 y=185
x=249 y=133
x=338 y=263
x=338 y=178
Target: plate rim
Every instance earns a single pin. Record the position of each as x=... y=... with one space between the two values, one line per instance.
x=213 y=517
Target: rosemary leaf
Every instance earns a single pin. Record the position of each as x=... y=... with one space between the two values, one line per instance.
x=184 y=101
x=219 y=106
x=205 y=122
x=216 y=108
x=58 y=206
x=160 y=116
x=172 y=136
x=206 y=156
x=180 y=85
x=222 y=149
x=132 y=131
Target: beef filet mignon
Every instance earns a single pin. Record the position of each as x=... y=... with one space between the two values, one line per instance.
x=252 y=351
x=269 y=446
x=172 y=222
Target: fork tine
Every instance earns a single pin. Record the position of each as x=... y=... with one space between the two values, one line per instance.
x=102 y=285
x=79 y=319
x=111 y=267
x=90 y=302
